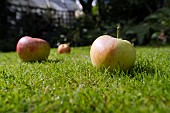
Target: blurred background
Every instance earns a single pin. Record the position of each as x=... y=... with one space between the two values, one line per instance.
x=80 y=22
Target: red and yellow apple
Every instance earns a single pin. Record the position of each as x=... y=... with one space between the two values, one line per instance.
x=64 y=48
x=32 y=49
x=113 y=53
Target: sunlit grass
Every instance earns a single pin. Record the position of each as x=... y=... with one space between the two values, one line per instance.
x=69 y=83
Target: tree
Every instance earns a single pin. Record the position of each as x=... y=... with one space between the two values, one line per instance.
x=87 y=6
x=124 y=10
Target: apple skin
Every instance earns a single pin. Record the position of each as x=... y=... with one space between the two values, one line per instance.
x=113 y=53
x=32 y=49
x=64 y=48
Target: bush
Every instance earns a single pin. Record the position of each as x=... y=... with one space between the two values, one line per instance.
x=155 y=29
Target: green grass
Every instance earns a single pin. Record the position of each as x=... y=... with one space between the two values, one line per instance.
x=69 y=83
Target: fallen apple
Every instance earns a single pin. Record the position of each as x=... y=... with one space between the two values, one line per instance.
x=32 y=49
x=113 y=53
x=64 y=48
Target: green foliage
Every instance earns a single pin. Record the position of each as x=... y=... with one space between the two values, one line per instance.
x=139 y=30
x=160 y=19
x=69 y=83
x=83 y=32
x=136 y=27
x=87 y=29
x=150 y=29
x=124 y=10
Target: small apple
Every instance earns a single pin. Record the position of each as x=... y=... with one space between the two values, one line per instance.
x=79 y=14
x=64 y=48
x=32 y=49
x=113 y=53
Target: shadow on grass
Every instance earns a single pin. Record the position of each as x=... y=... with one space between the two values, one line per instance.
x=48 y=61
x=143 y=67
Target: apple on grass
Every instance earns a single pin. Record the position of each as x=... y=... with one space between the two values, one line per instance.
x=32 y=49
x=113 y=53
x=64 y=48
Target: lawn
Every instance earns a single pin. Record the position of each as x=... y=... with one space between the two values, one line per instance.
x=69 y=83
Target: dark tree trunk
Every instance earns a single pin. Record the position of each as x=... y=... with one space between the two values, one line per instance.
x=87 y=6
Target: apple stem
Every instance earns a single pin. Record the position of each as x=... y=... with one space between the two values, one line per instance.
x=118 y=30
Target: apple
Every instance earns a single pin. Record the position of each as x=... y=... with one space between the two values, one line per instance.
x=32 y=49
x=64 y=48
x=79 y=14
x=113 y=53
